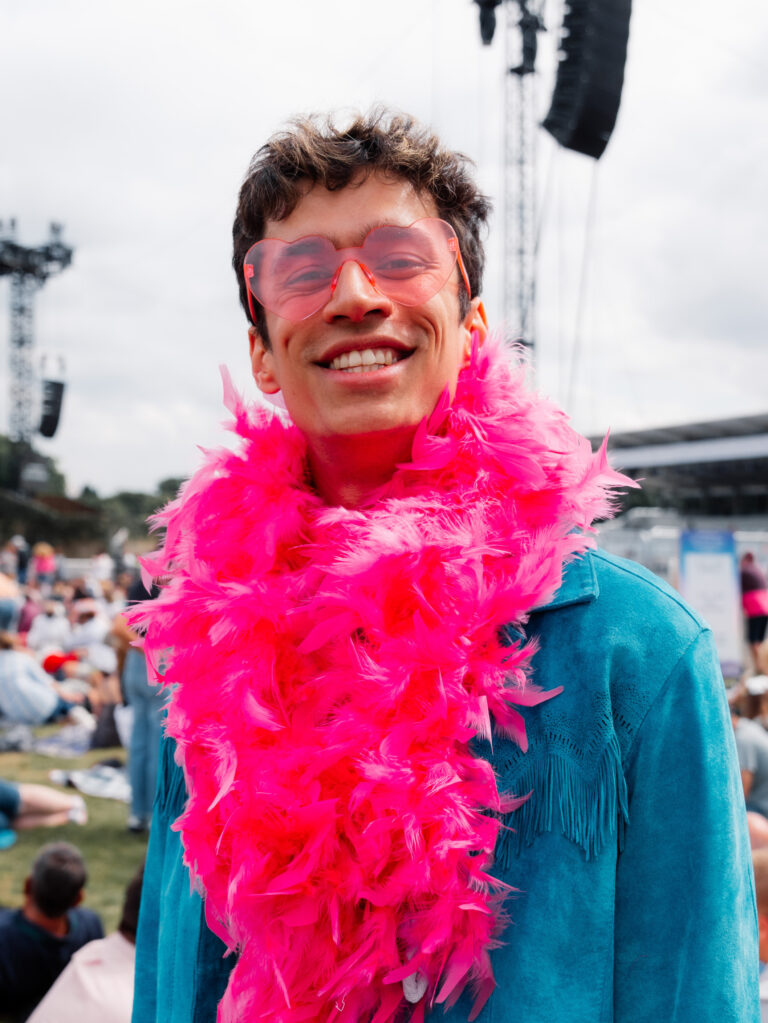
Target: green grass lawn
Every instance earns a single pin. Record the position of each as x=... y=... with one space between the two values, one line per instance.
x=111 y=853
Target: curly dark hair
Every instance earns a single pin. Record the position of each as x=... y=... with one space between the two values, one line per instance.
x=313 y=150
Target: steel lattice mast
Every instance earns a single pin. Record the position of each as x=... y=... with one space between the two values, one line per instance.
x=29 y=268
x=520 y=46
x=520 y=172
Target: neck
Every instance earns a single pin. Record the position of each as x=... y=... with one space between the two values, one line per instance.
x=347 y=470
x=58 y=925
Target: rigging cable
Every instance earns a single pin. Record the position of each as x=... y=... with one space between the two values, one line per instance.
x=583 y=282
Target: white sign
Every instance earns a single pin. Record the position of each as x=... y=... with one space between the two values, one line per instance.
x=709 y=581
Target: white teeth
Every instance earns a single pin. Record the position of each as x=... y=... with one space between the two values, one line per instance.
x=365 y=360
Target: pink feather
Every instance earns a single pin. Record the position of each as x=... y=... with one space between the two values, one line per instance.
x=328 y=670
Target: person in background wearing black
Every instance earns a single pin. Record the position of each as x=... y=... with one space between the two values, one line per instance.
x=38 y=940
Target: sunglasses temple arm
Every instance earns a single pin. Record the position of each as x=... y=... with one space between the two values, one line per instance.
x=463 y=274
x=250 y=302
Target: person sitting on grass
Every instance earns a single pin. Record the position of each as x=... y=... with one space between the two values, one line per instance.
x=97 y=985
x=28 y=696
x=38 y=940
x=36 y=806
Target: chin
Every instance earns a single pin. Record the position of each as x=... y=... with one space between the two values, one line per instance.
x=382 y=421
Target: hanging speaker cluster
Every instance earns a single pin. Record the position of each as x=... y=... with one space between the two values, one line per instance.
x=53 y=395
x=487 y=19
x=590 y=74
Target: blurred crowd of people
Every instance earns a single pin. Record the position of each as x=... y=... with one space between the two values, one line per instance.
x=68 y=654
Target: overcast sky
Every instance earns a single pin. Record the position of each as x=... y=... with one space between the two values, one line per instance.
x=133 y=124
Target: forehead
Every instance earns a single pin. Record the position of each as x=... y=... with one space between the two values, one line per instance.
x=347 y=214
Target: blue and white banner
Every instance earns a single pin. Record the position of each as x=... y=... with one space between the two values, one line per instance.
x=709 y=581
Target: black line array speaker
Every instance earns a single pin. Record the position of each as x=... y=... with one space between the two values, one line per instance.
x=487 y=19
x=53 y=394
x=590 y=74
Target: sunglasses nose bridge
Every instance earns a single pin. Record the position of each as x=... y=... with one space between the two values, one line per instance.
x=354 y=293
x=366 y=272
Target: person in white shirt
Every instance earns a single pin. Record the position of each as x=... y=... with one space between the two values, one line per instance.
x=90 y=626
x=49 y=629
x=28 y=695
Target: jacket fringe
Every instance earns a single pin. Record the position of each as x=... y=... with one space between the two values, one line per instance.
x=588 y=811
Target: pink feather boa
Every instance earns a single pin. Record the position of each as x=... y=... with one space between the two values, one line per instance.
x=329 y=669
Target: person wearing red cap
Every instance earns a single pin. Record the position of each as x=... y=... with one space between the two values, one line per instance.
x=56 y=660
x=28 y=695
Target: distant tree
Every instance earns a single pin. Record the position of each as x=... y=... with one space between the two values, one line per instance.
x=15 y=453
x=89 y=496
x=130 y=509
x=169 y=488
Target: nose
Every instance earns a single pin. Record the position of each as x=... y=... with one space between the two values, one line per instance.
x=355 y=295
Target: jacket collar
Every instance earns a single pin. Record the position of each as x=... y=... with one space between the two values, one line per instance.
x=579 y=585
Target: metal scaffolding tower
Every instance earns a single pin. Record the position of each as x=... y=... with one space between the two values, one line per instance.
x=590 y=74
x=29 y=269
x=520 y=171
x=520 y=47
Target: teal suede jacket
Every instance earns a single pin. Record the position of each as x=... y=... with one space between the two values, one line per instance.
x=635 y=899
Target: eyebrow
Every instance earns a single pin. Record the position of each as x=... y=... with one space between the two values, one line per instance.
x=293 y=251
x=315 y=243
x=303 y=246
x=365 y=230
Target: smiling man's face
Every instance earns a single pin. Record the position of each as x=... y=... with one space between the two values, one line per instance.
x=363 y=363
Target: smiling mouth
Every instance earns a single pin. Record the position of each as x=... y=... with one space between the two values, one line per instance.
x=366 y=360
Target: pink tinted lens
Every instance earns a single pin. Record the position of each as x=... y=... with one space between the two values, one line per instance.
x=408 y=264
x=292 y=279
x=411 y=264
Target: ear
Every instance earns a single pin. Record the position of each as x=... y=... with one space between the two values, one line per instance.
x=262 y=363
x=79 y=898
x=475 y=322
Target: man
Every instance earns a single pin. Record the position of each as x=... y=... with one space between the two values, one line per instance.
x=97 y=984
x=38 y=940
x=402 y=687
